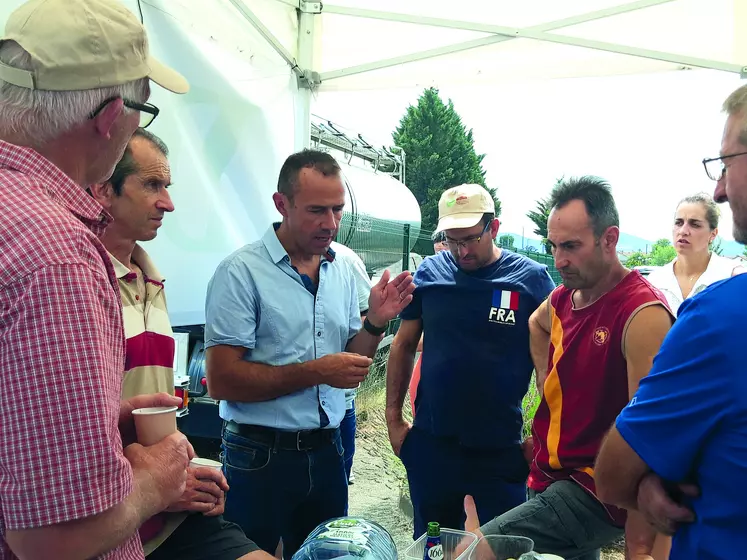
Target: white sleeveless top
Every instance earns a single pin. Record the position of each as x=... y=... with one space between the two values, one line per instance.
x=719 y=268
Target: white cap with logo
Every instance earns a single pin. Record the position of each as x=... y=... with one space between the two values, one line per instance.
x=83 y=44
x=463 y=207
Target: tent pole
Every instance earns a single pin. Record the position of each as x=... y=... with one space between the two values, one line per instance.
x=530 y=33
x=308 y=81
x=492 y=39
x=740 y=40
x=266 y=34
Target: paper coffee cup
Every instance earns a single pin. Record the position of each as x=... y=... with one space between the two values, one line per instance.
x=202 y=462
x=155 y=423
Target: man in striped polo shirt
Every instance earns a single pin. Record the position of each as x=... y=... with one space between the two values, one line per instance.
x=136 y=196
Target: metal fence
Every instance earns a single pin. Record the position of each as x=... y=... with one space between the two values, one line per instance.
x=388 y=244
x=424 y=247
x=545 y=259
x=381 y=243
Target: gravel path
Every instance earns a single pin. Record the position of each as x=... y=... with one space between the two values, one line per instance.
x=375 y=495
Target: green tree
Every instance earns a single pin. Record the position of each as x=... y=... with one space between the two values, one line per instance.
x=440 y=153
x=662 y=252
x=507 y=241
x=637 y=259
x=539 y=217
x=744 y=253
x=716 y=245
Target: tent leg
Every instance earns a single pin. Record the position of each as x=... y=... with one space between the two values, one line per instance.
x=306 y=29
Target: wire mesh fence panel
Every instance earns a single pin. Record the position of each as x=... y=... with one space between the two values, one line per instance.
x=547 y=260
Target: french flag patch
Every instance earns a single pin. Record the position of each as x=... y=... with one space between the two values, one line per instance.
x=503 y=299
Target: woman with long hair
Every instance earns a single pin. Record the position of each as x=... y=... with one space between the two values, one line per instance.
x=694 y=229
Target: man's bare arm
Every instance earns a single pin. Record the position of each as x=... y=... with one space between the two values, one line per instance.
x=539 y=342
x=399 y=367
x=92 y=536
x=621 y=468
x=84 y=538
x=230 y=377
x=642 y=340
x=420 y=344
x=364 y=343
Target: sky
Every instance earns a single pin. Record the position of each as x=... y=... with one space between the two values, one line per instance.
x=645 y=134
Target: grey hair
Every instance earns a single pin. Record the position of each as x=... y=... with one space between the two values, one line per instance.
x=40 y=116
x=735 y=104
x=712 y=212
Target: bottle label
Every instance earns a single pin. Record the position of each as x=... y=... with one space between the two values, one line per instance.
x=345 y=530
x=344 y=535
x=436 y=552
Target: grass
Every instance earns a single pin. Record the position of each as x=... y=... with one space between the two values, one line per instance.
x=529 y=405
x=370 y=406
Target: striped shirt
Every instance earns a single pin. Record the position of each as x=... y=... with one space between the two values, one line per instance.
x=149 y=363
x=587 y=383
x=149 y=360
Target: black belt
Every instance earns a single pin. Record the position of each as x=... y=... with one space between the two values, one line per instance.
x=278 y=439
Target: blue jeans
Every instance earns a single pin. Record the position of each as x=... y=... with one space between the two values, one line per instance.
x=278 y=493
x=441 y=472
x=347 y=432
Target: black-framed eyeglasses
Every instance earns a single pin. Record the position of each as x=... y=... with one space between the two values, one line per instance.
x=470 y=241
x=715 y=167
x=148 y=111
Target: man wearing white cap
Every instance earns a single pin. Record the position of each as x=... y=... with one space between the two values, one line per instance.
x=74 y=81
x=473 y=302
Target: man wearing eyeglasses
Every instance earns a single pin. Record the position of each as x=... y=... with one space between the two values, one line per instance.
x=473 y=302
x=73 y=482
x=678 y=451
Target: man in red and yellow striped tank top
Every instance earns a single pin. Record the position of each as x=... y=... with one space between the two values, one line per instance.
x=592 y=340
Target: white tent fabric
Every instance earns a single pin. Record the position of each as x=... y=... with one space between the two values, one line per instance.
x=247 y=110
x=359 y=44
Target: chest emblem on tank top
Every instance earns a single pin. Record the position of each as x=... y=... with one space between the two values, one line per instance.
x=601 y=336
x=504 y=307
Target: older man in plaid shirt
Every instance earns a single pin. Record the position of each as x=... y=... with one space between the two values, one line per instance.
x=74 y=79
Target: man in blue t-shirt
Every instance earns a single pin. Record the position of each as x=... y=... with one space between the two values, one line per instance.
x=678 y=451
x=473 y=302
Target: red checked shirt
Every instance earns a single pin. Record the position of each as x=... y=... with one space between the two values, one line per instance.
x=61 y=354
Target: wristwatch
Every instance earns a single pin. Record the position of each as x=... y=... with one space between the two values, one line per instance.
x=372 y=329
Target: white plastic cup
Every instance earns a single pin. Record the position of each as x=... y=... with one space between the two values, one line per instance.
x=154 y=423
x=202 y=462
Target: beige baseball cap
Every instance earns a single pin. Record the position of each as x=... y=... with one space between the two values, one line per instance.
x=83 y=44
x=463 y=207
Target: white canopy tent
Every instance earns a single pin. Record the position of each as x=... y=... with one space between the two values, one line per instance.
x=253 y=66
x=358 y=44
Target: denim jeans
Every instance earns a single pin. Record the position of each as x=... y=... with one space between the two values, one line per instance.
x=347 y=432
x=564 y=520
x=278 y=493
x=441 y=472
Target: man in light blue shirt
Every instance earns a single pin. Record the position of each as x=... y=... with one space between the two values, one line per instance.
x=284 y=340
x=363 y=287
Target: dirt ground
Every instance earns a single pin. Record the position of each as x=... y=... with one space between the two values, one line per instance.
x=376 y=493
